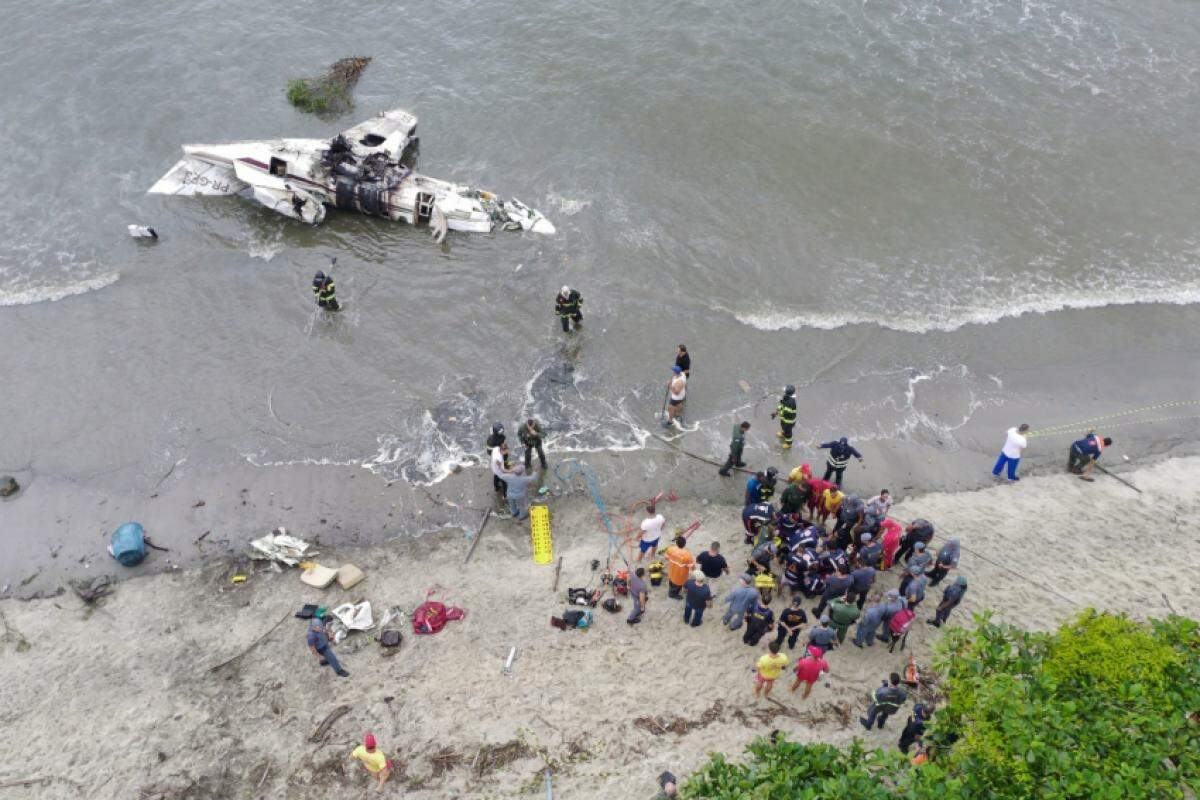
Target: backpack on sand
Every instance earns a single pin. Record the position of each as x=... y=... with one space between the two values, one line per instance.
x=431 y=616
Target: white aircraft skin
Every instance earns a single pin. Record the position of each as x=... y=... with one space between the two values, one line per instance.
x=367 y=168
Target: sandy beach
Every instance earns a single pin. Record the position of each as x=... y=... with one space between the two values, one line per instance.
x=124 y=695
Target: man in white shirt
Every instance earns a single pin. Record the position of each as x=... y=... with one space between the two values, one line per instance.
x=652 y=527
x=1010 y=454
x=676 y=394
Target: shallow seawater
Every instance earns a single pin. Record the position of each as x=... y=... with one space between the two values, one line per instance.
x=851 y=196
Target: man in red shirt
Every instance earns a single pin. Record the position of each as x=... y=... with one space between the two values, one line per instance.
x=809 y=670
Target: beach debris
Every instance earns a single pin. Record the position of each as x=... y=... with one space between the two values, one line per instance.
x=323 y=727
x=349 y=576
x=202 y=537
x=330 y=92
x=389 y=641
x=278 y=546
x=199 y=504
x=128 y=545
x=318 y=576
x=142 y=232
x=479 y=533
x=154 y=546
x=239 y=578
x=286 y=616
x=356 y=617
x=444 y=760
x=91 y=591
x=307 y=611
x=508 y=662
x=393 y=614
x=9 y=486
x=432 y=615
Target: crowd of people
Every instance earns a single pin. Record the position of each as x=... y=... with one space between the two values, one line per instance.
x=826 y=549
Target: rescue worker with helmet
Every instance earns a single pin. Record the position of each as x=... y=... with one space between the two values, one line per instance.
x=786 y=411
x=568 y=305
x=323 y=290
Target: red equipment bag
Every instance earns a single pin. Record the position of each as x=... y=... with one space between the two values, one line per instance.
x=431 y=616
x=900 y=621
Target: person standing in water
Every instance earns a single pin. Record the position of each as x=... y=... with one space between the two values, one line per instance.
x=569 y=306
x=737 y=443
x=683 y=360
x=676 y=395
x=324 y=291
x=786 y=411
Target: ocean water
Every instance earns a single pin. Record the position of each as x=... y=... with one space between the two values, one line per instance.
x=854 y=197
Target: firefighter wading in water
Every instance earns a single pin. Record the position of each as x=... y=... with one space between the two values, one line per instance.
x=568 y=305
x=324 y=291
x=786 y=411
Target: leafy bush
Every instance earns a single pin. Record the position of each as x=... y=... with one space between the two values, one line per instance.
x=1105 y=707
x=330 y=93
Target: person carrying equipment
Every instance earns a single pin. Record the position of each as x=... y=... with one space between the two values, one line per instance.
x=737 y=443
x=840 y=453
x=323 y=290
x=786 y=411
x=568 y=305
x=1084 y=454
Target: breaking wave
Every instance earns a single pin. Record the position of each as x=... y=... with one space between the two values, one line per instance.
x=28 y=295
x=946 y=320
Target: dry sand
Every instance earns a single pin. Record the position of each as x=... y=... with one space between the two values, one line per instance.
x=118 y=701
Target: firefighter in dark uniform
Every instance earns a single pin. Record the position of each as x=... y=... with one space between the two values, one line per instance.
x=568 y=305
x=323 y=289
x=786 y=411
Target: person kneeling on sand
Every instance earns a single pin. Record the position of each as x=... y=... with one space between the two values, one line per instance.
x=809 y=670
x=769 y=667
x=373 y=760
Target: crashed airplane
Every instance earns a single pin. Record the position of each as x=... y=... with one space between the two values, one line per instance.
x=368 y=168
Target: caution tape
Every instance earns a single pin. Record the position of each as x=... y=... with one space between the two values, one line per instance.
x=1079 y=431
x=1072 y=426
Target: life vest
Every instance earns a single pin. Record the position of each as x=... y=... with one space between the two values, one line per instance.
x=764 y=580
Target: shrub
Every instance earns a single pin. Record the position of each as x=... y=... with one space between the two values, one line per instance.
x=1105 y=707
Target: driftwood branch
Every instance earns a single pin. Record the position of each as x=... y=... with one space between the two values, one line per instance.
x=325 y=724
x=253 y=644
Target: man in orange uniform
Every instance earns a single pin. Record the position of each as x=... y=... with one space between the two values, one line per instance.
x=679 y=566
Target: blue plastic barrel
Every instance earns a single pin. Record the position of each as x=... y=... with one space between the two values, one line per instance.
x=128 y=544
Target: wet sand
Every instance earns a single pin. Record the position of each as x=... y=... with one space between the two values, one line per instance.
x=124 y=695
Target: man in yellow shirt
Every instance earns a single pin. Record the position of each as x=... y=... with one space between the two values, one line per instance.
x=770 y=667
x=373 y=759
x=831 y=501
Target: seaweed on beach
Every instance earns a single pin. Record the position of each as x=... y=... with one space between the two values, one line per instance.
x=331 y=92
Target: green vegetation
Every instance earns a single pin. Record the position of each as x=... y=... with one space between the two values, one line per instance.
x=1105 y=707
x=330 y=93
x=316 y=97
